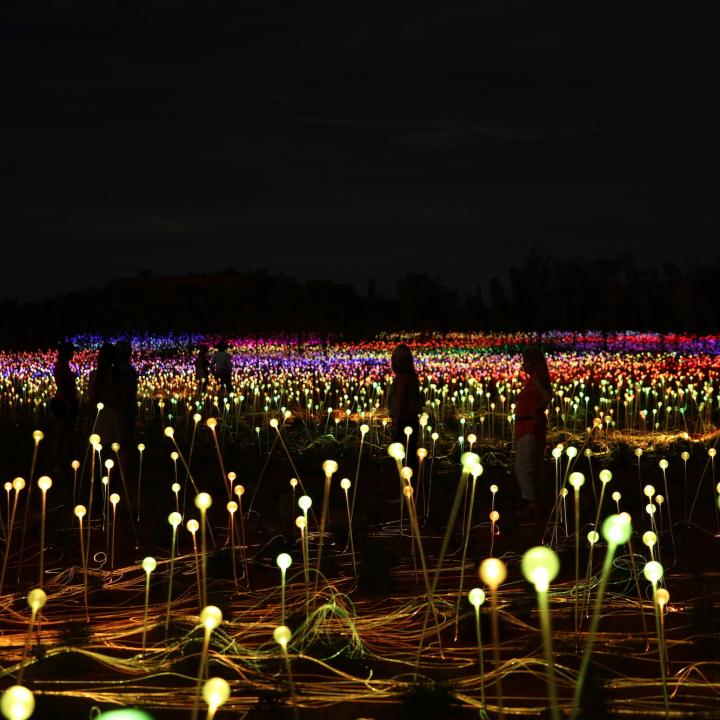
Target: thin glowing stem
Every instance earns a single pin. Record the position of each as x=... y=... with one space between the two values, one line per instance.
x=547 y=645
x=466 y=540
x=17 y=486
x=496 y=649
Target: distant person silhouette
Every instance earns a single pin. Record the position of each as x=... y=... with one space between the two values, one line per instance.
x=531 y=427
x=64 y=407
x=127 y=379
x=404 y=400
x=222 y=367
x=202 y=368
x=104 y=387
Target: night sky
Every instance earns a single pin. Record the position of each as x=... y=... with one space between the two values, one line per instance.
x=354 y=140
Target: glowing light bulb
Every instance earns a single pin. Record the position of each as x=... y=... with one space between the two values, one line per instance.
x=36 y=599
x=662 y=596
x=282 y=635
x=571 y=452
x=175 y=487
x=576 y=479
x=239 y=490
x=300 y=522
x=283 y=561
x=44 y=483
x=406 y=473
x=556 y=453
x=210 y=617
x=80 y=511
x=17 y=703
x=663 y=464
x=305 y=502
x=193 y=526
x=232 y=506
x=197 y=417
x=211 y=422
x=169 y=431
x=345 y=483
x=616 y=529
x=38 y=435
x=685 y=455
x=605 y=476
x=141 y=447
x=649 y=538
x=203 y=501
x=149 y=564
x=215 y=693
x=476 y=597
x=274 y=423
x=94 y=439
x=396 y=451
x=364 y=429
x=649 y=491
x=593 y=537
x=293 y=483
x=421 y=453
x=638 y=452
x=75 y=464
x=114 y=498
x=174 y=518
x=540 y=565
x=468 y=460
x=494 y=489
x=492 y=572
x=653 y=571
x=329 y=467
x=616 y=496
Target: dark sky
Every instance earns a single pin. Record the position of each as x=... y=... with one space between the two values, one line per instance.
x=354 y=140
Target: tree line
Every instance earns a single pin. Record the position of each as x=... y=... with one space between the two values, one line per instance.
x=542 y=293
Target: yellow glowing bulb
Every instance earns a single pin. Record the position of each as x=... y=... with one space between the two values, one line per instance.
x=94 y=439
x=215 y=692
x=283 y=561
x=149 y=564
x=203 y=501
x=638 y=452
x=80 y=511
x=193 y=526
x=169 y=431
x=304 y=502
x=38 y=435
x=492 y=572
x=293 y=482
x=422 y=453
x=197 y=417
x=396 y=451
x=36 y=599
x=364 y=429
x=300 y=522
x=662 y=596
x=468 y=460
x=663 y=464
x=408 y=491
x=571 y=452
x=175 y=487
x=211 y=616
x=75 y=464
x=211 y=422
x=282 y=635
x=649 y=490
x=174 y=518
x=114 y=498
x=17 y=703
x=616 y=496
x=239 y=490
x=540 y=565
x=494 y=516
x=494 y=489
x=616 y=529
x=476 y=597
x=653 y=571
x=141 y=447
x=593 y=537
x=556 y=453
x=44 y=483
x=274 y=424
x=576 y=479
x=406 y=473
x=232 y=476
x=329 y=467
x=345 y=483
x=685 y=455
x=605 y=476
x=232 y=506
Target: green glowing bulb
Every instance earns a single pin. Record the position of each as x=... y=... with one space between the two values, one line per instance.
x=605 y=476
x=571 y=452
x=211 y=616
x=616 y=529
x=476 y=597
x=149 y=564
x=36 y=599
x=174 y=518
x=653 y=571
x=593 y=537
x=469 y=460
x=396 y=451
x=17 y=703
x=215 y=692
x=284 y=561
x=576 y=479
x=663 y=464
x=282 y=635
x=540 y=565
x=124 y=714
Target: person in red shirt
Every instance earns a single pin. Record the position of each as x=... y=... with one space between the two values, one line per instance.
x=531 y=426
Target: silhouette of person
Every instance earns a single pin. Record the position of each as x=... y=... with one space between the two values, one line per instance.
x=404 y=400
x=64 y=406
x=127 y=379
x=104 y=387
x=222 y=367
x=202 y=368
x=531 y=427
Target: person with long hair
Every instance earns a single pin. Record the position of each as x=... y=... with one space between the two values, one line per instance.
x=404 y=400
x=64 y=407
x=531 y=427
